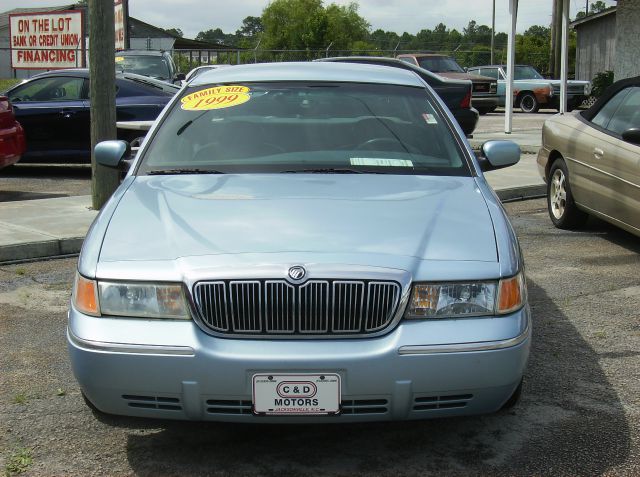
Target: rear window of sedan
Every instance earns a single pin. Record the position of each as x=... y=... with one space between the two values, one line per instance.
x=290 y=127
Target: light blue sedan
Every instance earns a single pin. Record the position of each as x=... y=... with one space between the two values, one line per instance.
x=302 y=243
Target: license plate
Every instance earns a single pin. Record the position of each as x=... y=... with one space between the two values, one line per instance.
x=296 y=394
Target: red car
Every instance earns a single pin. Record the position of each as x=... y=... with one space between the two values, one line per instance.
x=12 y=142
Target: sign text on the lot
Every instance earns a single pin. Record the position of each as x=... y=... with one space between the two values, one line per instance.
x=120 y=22
x=47 y=40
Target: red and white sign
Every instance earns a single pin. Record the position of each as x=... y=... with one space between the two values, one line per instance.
x=118 y=10
x=47 y=40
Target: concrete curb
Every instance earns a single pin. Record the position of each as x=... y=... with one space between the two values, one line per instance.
x=41 y=249
x=522 y=193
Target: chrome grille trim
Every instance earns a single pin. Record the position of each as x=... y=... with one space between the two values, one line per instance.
x=280 y=305
x=214 y=309
x=245 y=317
x=381 y=296
x=348 y=297
x=313 y=312
x=315 y=307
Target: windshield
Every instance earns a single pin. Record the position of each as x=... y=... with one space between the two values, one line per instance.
x=526 y=72
x=153 y=66
x=440 y=64
x=304 y=127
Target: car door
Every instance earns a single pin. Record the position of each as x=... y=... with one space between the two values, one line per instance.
x=615 y=162
x=497 y=75
x=53 y=115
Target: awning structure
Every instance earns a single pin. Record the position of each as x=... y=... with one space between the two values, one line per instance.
x=511 y=56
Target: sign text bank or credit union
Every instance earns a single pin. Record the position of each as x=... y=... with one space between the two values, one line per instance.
x=47 y=40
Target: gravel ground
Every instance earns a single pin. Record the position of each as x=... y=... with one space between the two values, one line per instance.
x=579 y=415
x=35 y=181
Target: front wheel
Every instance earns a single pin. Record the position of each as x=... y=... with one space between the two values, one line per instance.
x=529 y=103
x=562 y=209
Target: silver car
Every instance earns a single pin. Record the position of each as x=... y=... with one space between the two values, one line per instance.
x=302 y=243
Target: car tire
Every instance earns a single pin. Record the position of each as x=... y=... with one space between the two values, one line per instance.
x=529 y=103
x=562 y=209
x=514 y=399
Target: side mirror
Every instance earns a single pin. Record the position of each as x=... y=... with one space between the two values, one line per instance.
x=112 y=153
x=498 y=154
x=180 y=77
x=632 y=136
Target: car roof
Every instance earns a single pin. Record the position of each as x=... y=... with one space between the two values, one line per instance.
x=382 y=60
x=494 y=66
x=311 y=71
x=81 y=72
x=422 y=55
x=140 y=53
x=123 y=76
x=608 y=93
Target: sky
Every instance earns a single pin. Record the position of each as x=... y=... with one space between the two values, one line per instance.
x=193 y=16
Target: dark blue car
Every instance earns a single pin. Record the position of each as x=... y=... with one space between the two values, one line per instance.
x=53 y=109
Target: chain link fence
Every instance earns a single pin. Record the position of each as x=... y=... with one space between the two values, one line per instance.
x=188 y=59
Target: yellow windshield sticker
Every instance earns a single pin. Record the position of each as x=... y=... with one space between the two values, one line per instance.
x=216 y=98
x=119 y=59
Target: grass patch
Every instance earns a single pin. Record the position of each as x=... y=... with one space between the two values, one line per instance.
x=21 y=271
x=18 y=462
x=5 y=84
x=20 y=398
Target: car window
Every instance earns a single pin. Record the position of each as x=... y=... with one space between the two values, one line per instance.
x=407 y=59
x=277 y=127
x=153 y=66
x=526 y=72
x=490 y=72
x=57 y=88
x=440 y=64
x=627 y=115
x=605 y=114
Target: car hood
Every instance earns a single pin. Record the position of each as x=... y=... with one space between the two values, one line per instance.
x=465 y=76
x=426 y=217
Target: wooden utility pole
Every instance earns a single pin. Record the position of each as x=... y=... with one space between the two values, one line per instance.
x=556 y=39
x=102 y=73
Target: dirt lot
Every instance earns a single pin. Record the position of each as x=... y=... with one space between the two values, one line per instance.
x=580 y=412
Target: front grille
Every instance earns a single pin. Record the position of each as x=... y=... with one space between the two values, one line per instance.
x=481 y=87
x=361 y=406
x=430 y=403
x=276 y=307
x=153 y=402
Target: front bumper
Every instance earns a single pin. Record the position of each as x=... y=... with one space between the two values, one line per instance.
x=413 y=372
x=467 y=119
x=484 y=102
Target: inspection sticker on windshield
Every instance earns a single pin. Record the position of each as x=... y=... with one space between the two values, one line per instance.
x=430 y=118
x=296 y=394
x=380 y=161
x=216 y=98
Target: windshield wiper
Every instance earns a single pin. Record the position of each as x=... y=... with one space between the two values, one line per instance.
x=161 y=172
x=324 y=170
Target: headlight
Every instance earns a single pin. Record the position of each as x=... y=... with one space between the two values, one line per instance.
x=134 y=299
x=456 y=300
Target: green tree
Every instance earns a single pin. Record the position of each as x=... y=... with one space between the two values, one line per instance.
x=294 y=24
x=251 y=27
x=175 y=31
x=345 y=26
x=216 y=36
